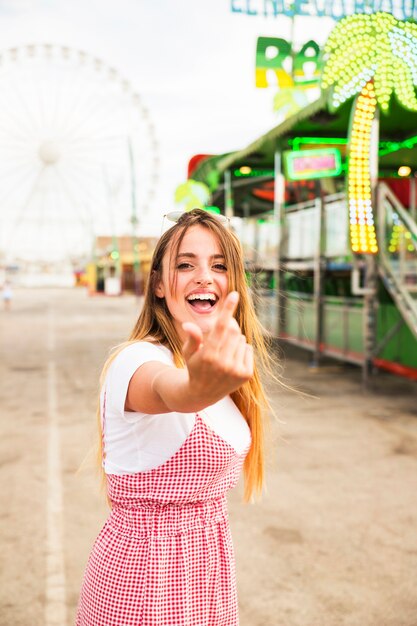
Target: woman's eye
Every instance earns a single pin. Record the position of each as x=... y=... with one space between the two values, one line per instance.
x=220 y=267
x=184 y=266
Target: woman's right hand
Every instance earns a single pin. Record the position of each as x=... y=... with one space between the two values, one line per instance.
x=216 y=367
x=222 y=362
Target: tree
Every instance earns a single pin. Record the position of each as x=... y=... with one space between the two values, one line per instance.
x=373 y=57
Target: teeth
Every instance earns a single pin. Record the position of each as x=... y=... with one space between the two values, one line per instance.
x=202 y=296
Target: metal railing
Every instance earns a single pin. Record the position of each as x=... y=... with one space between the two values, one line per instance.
x=342 y=322
x=303 y=226
x=397 y=236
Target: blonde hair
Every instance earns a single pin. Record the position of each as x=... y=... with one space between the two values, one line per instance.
x=155 y=323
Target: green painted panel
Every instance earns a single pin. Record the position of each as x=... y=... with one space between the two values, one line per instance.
x=333 y=328
x=355 y=330
x=293 y=317
x=342 y=317
x=300 y=318
x=309 y=321
x=402 y=347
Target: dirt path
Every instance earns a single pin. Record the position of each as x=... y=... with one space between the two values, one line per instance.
x=333 y=543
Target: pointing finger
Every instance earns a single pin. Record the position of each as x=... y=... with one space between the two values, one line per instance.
x=231 y=301
x=225 y=315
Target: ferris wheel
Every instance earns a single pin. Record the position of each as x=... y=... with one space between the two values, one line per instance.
x=78 y=153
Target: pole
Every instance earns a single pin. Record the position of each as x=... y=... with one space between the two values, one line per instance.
x=134 y=221
x=228 y=194
x=413 y=212
x=279 y=224
x=292 y=34
x=112 y=191
x=369 y=317
x=319 y=266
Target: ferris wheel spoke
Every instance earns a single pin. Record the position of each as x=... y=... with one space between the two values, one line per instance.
x=100 y=126
x=15 y=187
x=63 y=233
x=12 y=126
x=113 y=153
x=14 y=163
x=90 y=164
x=82 y=94
x=17 y=222
x=9 y=141
x=8 y=115
x=61 y=86
x=40 y=220
x=83 y=185
x=22 y=169
x=70 y=196
x=91 y=143
x=10 y=161
x=99 y=108
x=90 y=117
x=25 y=108
x=41 y=101
x=118 y=147
x=110 y=152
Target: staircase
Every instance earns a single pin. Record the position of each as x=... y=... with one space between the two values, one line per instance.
x=397 y=237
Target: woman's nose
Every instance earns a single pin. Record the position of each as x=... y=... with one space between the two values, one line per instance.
x=203 y=277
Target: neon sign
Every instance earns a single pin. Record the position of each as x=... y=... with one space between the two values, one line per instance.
x=308 y=164
x=336 y=9
x=273 y=52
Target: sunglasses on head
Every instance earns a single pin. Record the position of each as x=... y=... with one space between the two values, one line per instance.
x=174 y=216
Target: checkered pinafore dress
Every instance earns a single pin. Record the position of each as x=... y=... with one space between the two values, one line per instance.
x=165 y=555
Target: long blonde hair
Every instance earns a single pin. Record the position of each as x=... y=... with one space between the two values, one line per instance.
x=156 y=323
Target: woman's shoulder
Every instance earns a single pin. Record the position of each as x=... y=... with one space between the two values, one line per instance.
x=138 y=352
x=127 y=358
x=143 y=350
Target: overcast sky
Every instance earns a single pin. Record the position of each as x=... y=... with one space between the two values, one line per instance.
x=192 y=61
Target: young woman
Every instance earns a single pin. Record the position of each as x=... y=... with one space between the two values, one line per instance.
x=180 y=414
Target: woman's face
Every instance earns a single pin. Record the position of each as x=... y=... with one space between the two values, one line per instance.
x=201 y=281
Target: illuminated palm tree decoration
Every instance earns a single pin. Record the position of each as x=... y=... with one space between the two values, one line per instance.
x=192 y=195
x=372 y=56
x=289 y=100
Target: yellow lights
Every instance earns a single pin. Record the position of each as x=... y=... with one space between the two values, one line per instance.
x=400 y=237
x=371 y=56
x=375 y=47
x=397 y=233
x=245 y=170
x=362 y=228
x=404 y=170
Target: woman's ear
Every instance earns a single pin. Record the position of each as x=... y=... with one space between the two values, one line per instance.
x=159 y=289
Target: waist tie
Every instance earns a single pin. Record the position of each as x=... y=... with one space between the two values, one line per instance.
x=146 y=518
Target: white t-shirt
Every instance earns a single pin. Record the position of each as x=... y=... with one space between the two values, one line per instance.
x=137 y=442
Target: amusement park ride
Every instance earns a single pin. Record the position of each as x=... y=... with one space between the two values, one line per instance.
x=325 y=203
x=75 y=137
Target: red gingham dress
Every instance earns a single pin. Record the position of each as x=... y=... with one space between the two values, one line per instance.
x=165 y=555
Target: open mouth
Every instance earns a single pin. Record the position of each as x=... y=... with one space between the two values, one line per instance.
x=202 y=302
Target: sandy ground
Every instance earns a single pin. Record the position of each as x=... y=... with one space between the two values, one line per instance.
x=334 y=541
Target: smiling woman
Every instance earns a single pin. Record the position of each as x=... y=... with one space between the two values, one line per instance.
x=180 y=414
x=194 y=282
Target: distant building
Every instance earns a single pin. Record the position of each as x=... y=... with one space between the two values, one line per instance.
x=120 y=264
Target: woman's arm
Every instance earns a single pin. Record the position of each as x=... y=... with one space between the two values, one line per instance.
x=214 y=369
